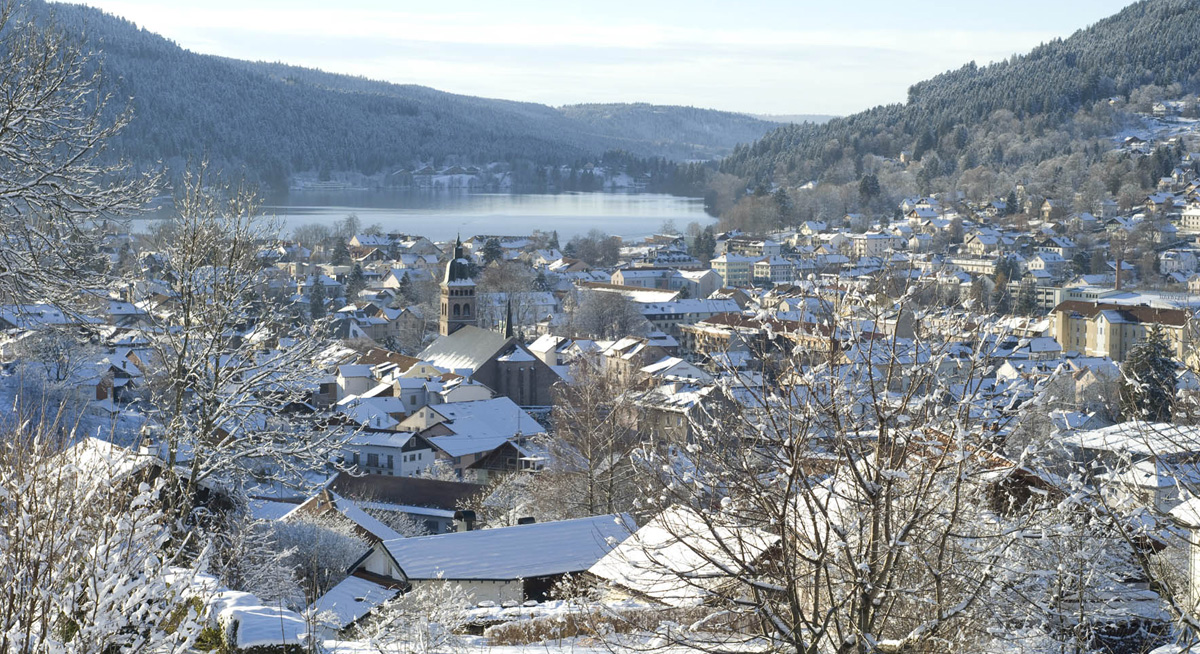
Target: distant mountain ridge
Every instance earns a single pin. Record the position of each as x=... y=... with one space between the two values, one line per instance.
x=273 y=120
x=818 y=119
x=1149 y=42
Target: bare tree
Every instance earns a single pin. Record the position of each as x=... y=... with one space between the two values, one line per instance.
x=227 y=365
x=54 y=184
x=590 y=469
x=862 y=473
x=605 y=315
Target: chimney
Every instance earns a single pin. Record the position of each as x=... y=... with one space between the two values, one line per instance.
x=464 y=520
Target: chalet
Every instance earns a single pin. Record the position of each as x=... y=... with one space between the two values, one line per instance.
x=464 y=432
x=391 y=453
x=1052 y=210
x=331 y=506
x=979 y=244
x=431 y=503
x=505 y=564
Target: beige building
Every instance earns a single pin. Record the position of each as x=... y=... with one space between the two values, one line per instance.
x=873 y=244
x=1109 y=330
x=734 y=269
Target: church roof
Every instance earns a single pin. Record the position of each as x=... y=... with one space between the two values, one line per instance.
x=469 y=347
x=458 y=270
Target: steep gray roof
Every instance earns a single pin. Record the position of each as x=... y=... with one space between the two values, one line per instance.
x=468 y=347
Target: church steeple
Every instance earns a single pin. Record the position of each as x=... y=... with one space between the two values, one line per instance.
x=458 y=293
x=508 y=326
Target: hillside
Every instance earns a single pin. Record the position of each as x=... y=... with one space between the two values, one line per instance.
x=958 y=114
x=273 y=120
x=699 y=130
x=819 y=119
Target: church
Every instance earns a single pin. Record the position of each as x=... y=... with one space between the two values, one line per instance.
x=497 y=360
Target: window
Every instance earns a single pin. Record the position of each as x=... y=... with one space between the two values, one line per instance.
x=356 y=458
x=373 y=460
x=391 y=464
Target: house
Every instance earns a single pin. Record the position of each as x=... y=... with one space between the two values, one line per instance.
x=979 y=244
x=680 y=558
x=385 y=452
x=1060 y=245
x=750 y=247
x=354 y=379
x=812 y=228
x=329 y=505
x=1050 y=262
x=1177 y=261
x=675 y=369
x=873 y=244
x=431 y=503
x=1051 y=210
x=1160 y=203
x=773 y=270
x=505 y=564
x=1152 y=464
x=670 y=316
x=464 y=432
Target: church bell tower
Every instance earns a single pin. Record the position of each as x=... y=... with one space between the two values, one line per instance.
x=458 y=293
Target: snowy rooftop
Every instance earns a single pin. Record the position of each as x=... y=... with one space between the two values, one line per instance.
x=521 y=552
x=679 y=556
x=1138 y=438
x=353 y=598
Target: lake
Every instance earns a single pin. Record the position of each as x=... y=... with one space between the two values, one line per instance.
x=442 y=216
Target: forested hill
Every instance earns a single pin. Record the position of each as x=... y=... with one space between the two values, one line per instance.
x=1151 y=42
x=274 y=120
x=698 y=129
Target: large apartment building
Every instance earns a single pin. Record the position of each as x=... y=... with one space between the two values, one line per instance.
x=1102 y=329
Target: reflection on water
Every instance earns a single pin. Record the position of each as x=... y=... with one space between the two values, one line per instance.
x=441 y=216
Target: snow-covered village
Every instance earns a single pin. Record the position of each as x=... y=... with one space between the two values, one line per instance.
x=920 y=379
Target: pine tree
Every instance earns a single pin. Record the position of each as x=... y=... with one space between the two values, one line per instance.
x=356 y=283
x=1026 y=300
x=554 y=240
x=868 y=188
x=406 y=291
x=704 y=245
x=341 y=253
x=316 y=299
x=1000 y=299
x=492 y=251
x=1148 y=379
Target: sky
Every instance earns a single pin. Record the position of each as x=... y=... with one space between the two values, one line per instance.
x=752 y=56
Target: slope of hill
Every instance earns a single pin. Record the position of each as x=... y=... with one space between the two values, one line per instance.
x=273 y=120
x=1150 y=42
x=701 y=130
x=819 y=119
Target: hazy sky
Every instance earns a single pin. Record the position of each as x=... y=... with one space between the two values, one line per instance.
x=760 y=56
